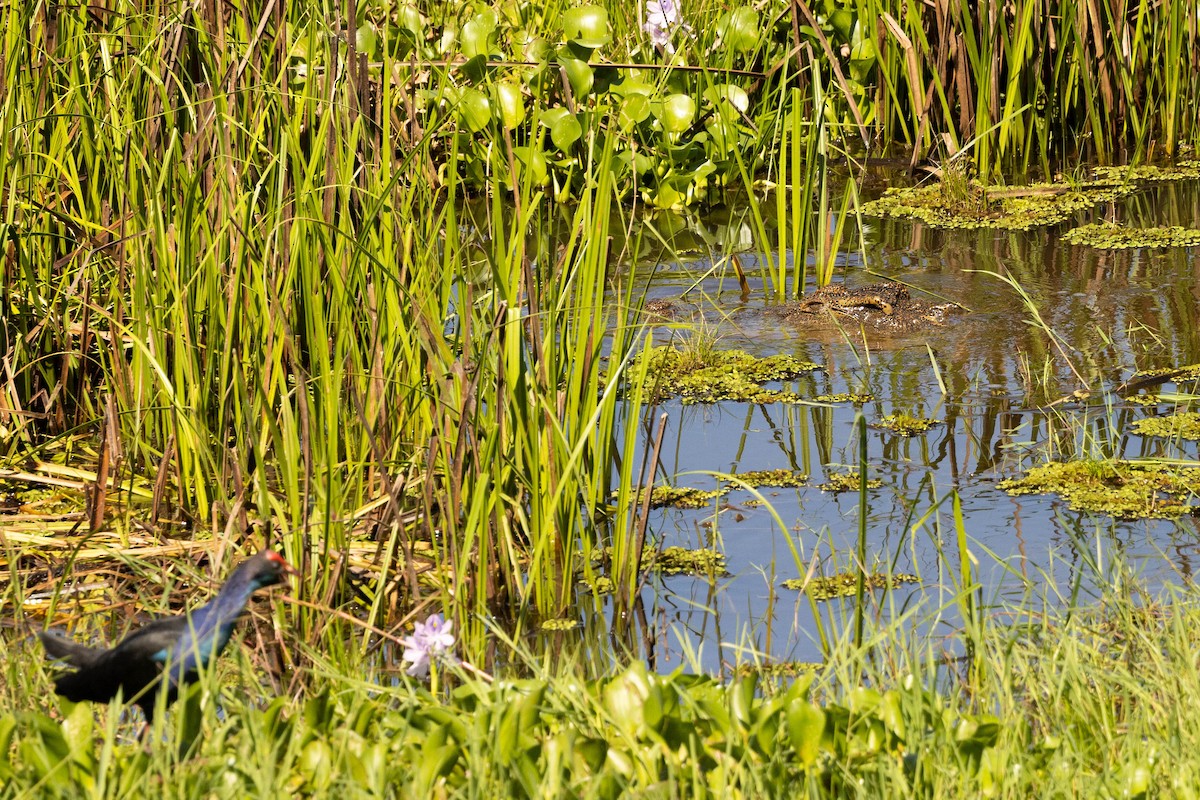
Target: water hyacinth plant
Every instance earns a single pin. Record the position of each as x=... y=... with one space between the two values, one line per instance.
x=663 y=21
x=430 y=641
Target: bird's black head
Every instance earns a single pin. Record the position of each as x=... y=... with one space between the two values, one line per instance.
x=268 y=568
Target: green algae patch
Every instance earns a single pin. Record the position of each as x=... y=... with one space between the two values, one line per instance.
x=702 y=561
x=1189 y=372
x=844 y=397
x=846 y=482
x=845 y=584
x=1185 y=425
x=1143 y=399
x=1121 y=489
x=771 y=477
x=777 y=670
x=906 y=425
x=1109 y=236
x=711 y=376
x=680 y=496
x=560 y=624
x=958 y=203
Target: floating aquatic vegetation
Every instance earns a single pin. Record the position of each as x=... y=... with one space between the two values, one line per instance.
x=771 y=477
x=906 y=425
x=846 y=482
x=1143 y=399
x=951 y=204
x=1184 y=425
x=561 y=624
x=681 y=496
x=702 y=561
x=711 y=376
x=845 y=397
x=1122 y=489
x=1189 y=372
x=845 y=584
x=781 y=669
x=682 y=561
x=1109 y=236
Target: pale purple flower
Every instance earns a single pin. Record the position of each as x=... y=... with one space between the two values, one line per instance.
x=430 y=639
x=662 y=19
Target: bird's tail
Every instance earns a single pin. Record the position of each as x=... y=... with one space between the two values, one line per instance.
x=64 y=649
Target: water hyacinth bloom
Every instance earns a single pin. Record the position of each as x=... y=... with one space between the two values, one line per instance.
x=662 y=18
x=430 y=639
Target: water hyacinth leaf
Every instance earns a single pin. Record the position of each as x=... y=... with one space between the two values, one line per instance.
x=586 y=26
x=366 y=40
x=474 y=110
x=625 y=695
x=537 y=48
x=479 y=36
x=592 y=752
x=634 y=111
x=77 y=731
x=8 y=725
x=723 y=135
x=739 y=29
x=314 y=765
x=863 y=700
x=533 y=160
x=863 y=55
x=510 y=103
x=891 y=713
x=667 y=197
x=806 y=728
x=741 y=701
x=842 y=22
x=728 y=93
x=677 y=113
x=579 y=74
x=564 y=128
x=407 y=18
x=632 y=86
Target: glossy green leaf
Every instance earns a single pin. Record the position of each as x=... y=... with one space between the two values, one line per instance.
x=510 y=103
x=474 y=110
x=806 y=727
x=634 y=110
x=677 y=113
x=366 y=40
x=579 y=74
x=587 y=26
x=565 y=130
x=729 y=93
x=740 y=29
x=479 y=36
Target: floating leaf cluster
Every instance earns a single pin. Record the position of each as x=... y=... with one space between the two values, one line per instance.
x=906 y=425
x=718 y=375
x=1122 y=489
x=561 y=624
x=782 y=669
x=845 y=584
x=951 y=205
x=681 y=496
x=1185 y=425
x=772 y=477
x=1110 y=236
x=682 y=561
x=1188 y=372
x=847 y=482
x=845 y=397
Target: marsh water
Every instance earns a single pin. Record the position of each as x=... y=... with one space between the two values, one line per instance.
x=1003 y=390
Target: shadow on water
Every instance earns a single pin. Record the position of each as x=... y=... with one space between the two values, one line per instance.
x=1003 y=390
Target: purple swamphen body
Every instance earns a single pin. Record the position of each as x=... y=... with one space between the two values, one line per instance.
x=178 y=646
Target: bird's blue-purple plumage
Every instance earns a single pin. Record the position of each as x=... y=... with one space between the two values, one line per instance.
x=179 y=646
